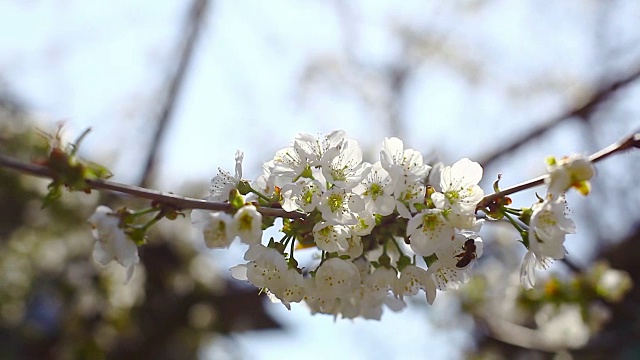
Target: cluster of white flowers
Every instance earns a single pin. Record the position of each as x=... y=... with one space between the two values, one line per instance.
x=383 y=231
x=360 y=216
x=548 y=224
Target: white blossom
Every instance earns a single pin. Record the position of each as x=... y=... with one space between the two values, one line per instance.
x=248 y=224
x=400 y=162
x=570 y=171
x=460 y=191
x=111 y=241
x=365 y=224
x=413 y=279
x=548 y=227
x=337 y=278
x=377 y=191
x=223 y=183
x=429 y=231
x=342 y=165
x=340 y=206
x=266 y=267
x=289 y=162
x=216 y=227
x=455 y=260
x=302 y=195
x=331 y=237
x=313 y=148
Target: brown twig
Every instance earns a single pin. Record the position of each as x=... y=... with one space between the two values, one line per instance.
x=179 y=202
x=193 y=26
x=599 y=97
x=628 y=142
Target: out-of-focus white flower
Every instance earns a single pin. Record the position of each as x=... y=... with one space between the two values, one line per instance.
x=111 y=241
x=613 y=284
x=216 y=227
x=570 y=171
x=248 y=224
x=563 y=326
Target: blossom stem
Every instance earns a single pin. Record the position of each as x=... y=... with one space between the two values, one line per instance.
x=144 y=211
x=151 y=223
x=260 y=195
x=516 y=212
x=519 y=228
x=76 y=145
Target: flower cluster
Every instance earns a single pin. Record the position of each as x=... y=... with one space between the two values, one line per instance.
x=384 y=230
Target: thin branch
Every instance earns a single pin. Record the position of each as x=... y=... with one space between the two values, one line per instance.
x=179 y=202
x=193 y=26
x=628 y=142
x=584 y=111
x=517 y=335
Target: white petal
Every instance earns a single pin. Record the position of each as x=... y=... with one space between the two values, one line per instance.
x=239 y=272
x=527 y=270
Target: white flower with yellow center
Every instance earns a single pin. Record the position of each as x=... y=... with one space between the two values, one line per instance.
x=377 y=191
x=331 y=237
x=429 y=231
x=342 y=165
x=248 y=224
x=570 y=171
x=459 y=188
x=340 y=206
x=217 y=228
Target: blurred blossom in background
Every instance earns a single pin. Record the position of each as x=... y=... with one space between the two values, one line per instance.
x=172 y=89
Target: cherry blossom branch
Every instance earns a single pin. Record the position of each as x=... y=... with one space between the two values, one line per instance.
x=626 y=143
x=179 y=202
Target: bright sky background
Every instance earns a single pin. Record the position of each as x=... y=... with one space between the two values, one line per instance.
x=102 y=64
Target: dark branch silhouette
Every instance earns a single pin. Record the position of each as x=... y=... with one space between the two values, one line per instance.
x=192 y=30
